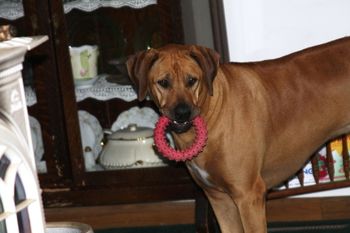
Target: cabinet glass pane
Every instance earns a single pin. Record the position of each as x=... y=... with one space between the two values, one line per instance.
x=12 y=14
x=100 y=41
x=35 y=125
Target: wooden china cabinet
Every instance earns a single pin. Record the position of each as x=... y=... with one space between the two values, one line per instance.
x=118 y=31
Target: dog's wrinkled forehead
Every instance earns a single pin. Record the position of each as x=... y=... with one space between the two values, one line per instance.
x=175 y=62
x=175 y=48
x=175 y=54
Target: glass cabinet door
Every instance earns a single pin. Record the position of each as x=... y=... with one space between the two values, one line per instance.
x=30 y=18
x=101 y=35
x=79 y=95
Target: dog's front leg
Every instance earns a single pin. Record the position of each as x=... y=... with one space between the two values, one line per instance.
x=225 y=211
x=250 y=201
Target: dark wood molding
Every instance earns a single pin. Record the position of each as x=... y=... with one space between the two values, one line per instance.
x=49 y=111
x=67 y=90
x=274 y=194
x=219 y=29
x=114 y=195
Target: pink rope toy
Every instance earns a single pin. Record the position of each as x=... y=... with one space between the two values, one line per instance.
x=180 y=155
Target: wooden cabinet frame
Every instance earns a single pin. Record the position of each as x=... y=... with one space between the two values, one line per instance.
x=67 y=183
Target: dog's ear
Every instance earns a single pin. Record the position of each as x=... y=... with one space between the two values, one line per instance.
x=138 y=66
x=208 y=60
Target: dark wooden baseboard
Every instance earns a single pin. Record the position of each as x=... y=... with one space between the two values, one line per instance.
x=150 y=214
x=182 y=212
x=308 y=209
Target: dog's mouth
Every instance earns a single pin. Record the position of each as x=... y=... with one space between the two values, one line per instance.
x=180 y=127
x=181 y=117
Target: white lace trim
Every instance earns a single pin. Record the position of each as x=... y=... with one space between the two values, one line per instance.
x=104 y=90
x=14 y=10
x=100 y=90
x=91 y=5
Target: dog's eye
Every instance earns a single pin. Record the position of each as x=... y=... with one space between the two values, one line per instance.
x=164 y=83
x=191 y=81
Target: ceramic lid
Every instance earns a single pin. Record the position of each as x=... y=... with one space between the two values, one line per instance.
x=132 y=132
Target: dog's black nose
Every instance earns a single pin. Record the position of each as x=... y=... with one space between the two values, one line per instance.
x=182 y=113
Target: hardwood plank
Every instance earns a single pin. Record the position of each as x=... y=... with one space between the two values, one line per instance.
x=335 y=208
x=294 y=210
x=183 y=212
x=150 y=214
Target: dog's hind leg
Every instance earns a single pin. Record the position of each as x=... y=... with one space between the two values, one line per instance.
x=226 y=211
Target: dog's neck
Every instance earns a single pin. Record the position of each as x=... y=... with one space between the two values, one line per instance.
x=213 y=107
x=210 y=109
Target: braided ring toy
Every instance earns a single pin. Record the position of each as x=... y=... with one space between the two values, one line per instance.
x=180 y=155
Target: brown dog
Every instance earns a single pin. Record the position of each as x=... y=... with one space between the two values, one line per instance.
x=264 y=119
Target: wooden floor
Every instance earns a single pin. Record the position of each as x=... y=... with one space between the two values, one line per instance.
x=168 y=213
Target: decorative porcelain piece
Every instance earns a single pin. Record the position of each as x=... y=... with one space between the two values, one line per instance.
x=30 y=96
x=138 y=152
x=85 y=83
x=130 y=147
x=91 y=136
x=84 y=61
x=145 y=117
x=41 y=167
x=68 y=227
x=11 y=10
x=37 y=139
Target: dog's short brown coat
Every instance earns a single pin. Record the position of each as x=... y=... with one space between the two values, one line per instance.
x=264 y=119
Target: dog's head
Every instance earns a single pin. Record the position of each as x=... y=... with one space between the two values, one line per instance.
x=177 y=77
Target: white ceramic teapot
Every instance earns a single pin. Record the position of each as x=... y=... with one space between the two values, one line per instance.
x=130 y=147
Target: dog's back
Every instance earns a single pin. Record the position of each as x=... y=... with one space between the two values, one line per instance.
x=302 y=100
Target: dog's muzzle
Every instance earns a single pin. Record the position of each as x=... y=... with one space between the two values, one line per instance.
x=182 y=114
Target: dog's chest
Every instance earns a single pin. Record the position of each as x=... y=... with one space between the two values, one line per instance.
x=199 y=174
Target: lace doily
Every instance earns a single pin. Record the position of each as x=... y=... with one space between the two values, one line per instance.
x=14 y=10
x=100 y=90
x=104 y=90
x=91 y=5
